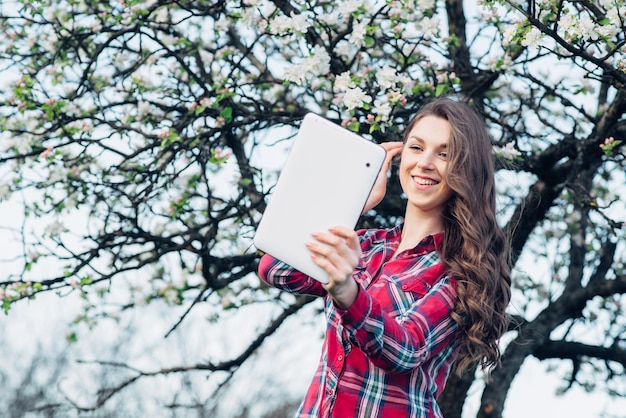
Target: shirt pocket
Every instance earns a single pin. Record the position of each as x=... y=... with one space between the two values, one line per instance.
x=361 y=275
x=404 y=291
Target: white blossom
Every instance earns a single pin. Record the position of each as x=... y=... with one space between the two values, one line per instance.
x=425 y=4
x=19 y=143
x=55 y=228
x=162 y=15
x=127 y=19
x=295 y=23
x=49 y=41
x=567 y=23
x=349 y=6
x=251 y=18
x=508 y=35
x=295 y=75
x=171 y=296
x=299 y=23
x=272 y=94
x=357 y=37
x=499 y=63
x=330 y=18
x=121 y=59
x=345 y=49
x=168 y=40
x=386 y=77
x=507 y=151
x=143 y=109
x=396 y=10
x=343 y=82
x=430 y=25
x=355 y=97
x=57 y=174
x=615 y=15
x=5 y=191
x=144 y=5
x=382 y=109
x=406 y=82
x=318 y=63
x=586 y=27
x=533 y=37
x=279 y=25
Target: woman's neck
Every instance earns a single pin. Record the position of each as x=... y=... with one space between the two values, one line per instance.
x=417 y=226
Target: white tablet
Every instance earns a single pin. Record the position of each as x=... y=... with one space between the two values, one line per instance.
x=325 y=182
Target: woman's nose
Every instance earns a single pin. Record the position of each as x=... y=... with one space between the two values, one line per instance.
x=425 y=162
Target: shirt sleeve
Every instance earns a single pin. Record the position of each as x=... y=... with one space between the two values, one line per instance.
x=282 y=276
x=399 y=345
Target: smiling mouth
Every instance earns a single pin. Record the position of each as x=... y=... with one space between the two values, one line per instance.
x=425 y=182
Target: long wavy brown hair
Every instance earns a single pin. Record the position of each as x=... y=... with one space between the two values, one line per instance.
x=474 y=250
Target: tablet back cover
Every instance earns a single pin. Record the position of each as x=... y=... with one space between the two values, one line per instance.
x=325 y=182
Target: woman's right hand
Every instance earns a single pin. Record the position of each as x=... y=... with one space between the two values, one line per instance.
x=380 y=185
x=338 y=252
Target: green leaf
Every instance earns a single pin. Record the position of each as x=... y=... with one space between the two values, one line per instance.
x=353 y=126
x=227 y=114
x=6 y=305
x=441 y=89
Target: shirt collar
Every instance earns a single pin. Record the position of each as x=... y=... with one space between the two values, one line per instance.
x=428 y=244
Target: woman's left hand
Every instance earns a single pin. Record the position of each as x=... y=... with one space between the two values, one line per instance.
x=380 y=185
x=338 y=251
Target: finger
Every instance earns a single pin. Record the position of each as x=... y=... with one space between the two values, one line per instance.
x=327 y=238
x=329 y=247
x=392 y=146
x=341 y=249
x=348 y=235
x=342 y=231
x=392 y=153
x=340 y=239
x=348 y=251
x=338 y=268
x=327 y=260
x=318 y=249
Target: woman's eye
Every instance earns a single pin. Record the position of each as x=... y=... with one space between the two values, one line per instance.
x=416 y=147
x=443 y=154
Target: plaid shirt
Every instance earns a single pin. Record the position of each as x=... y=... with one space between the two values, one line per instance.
x=389 y=354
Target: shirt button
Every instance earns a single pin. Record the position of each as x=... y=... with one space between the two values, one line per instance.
x=339 y=357
x=404 y=287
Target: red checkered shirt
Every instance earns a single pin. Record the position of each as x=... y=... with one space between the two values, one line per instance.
x=390 y=353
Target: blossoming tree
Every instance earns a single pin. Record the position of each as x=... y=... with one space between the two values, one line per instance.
x=142 y=140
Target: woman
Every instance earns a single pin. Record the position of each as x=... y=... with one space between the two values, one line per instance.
x=404 y=305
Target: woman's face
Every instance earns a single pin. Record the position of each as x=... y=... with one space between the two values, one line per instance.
x=424 y=165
